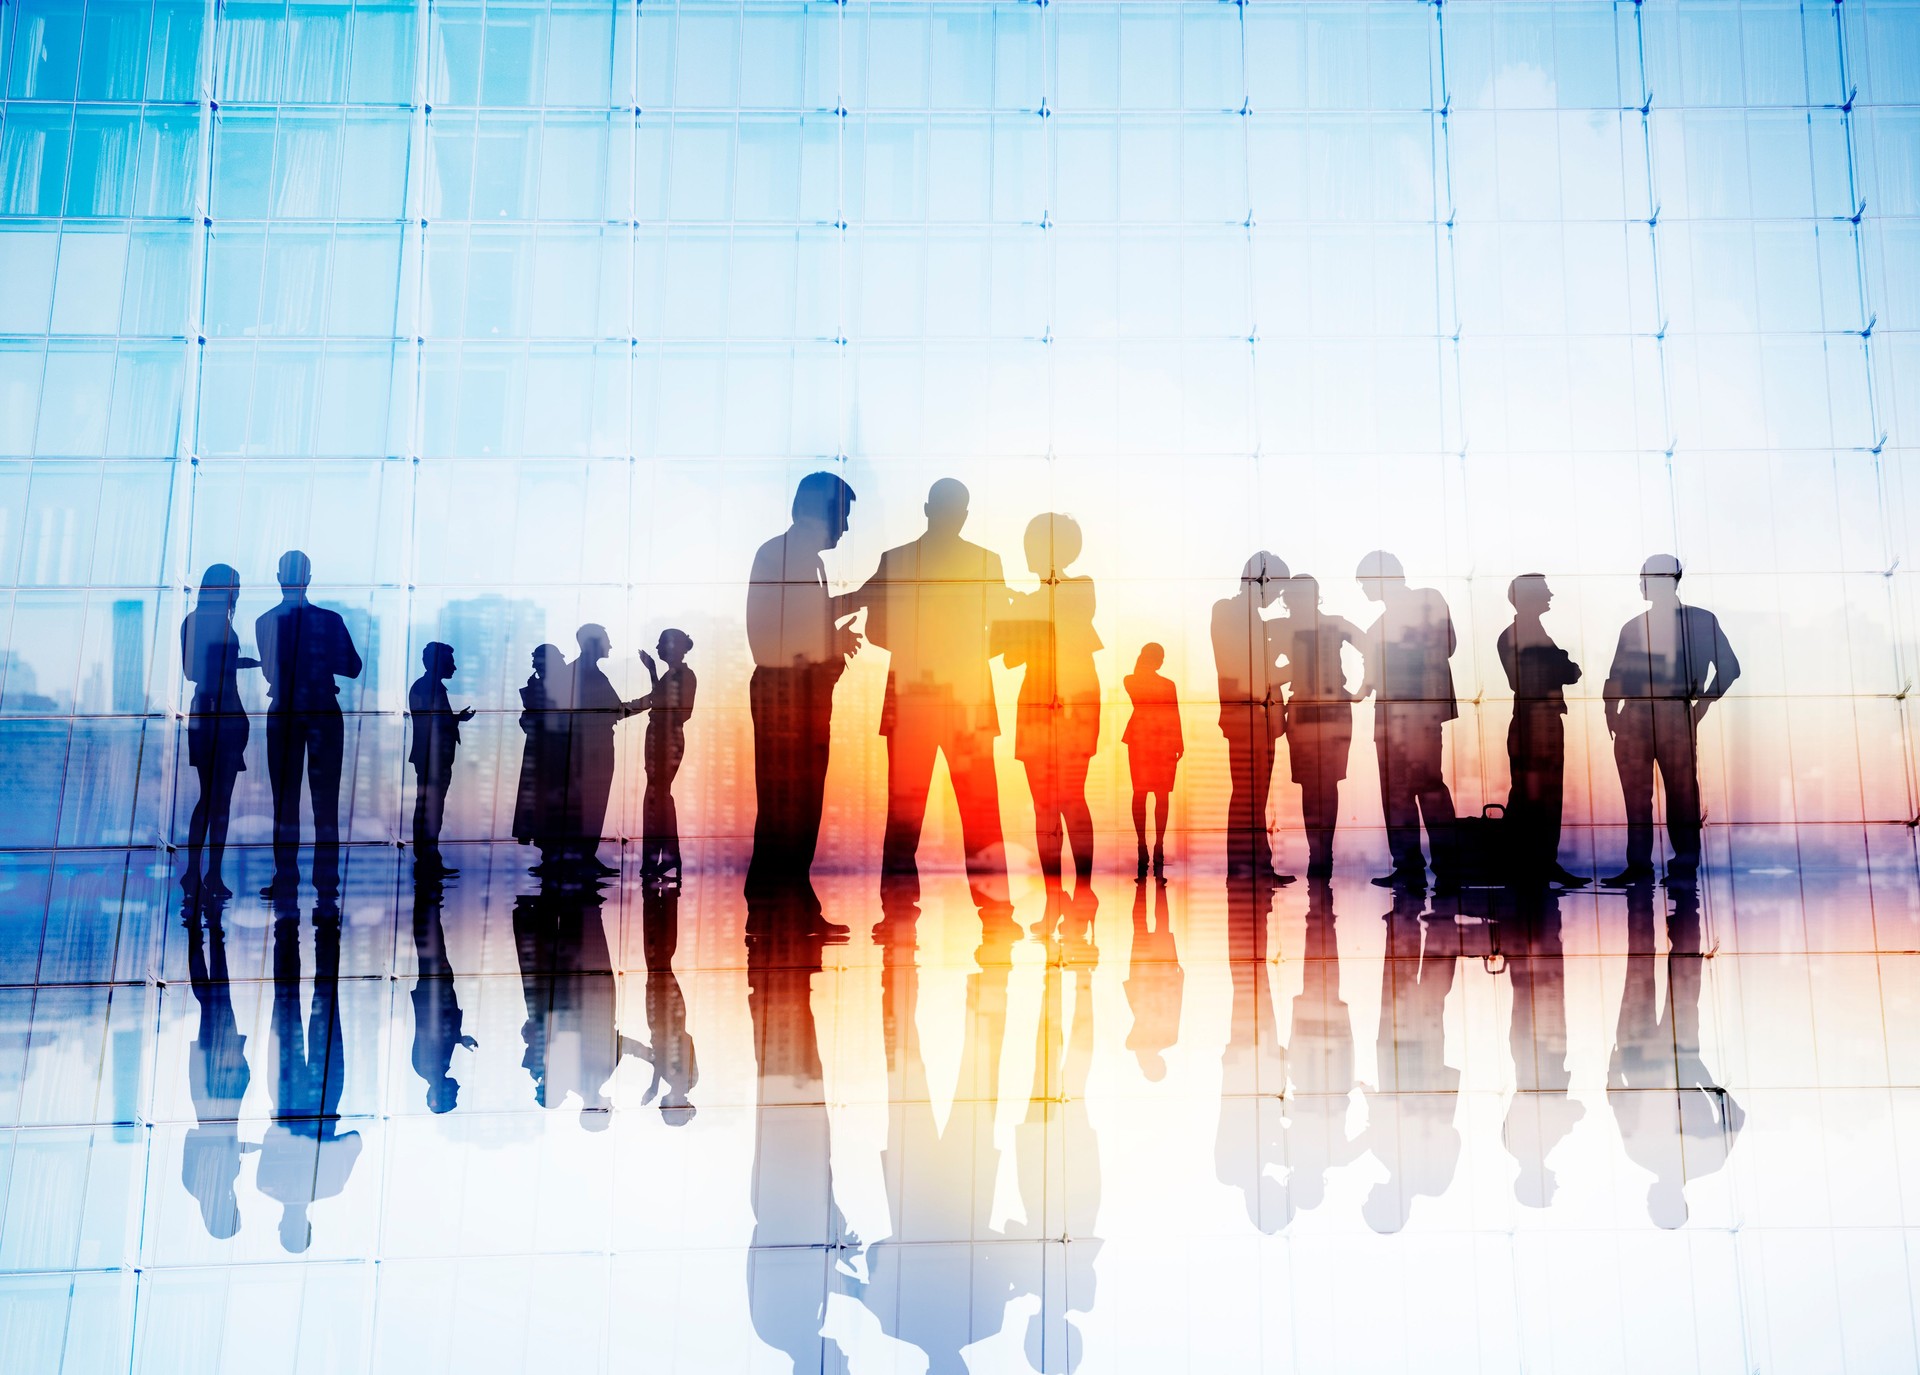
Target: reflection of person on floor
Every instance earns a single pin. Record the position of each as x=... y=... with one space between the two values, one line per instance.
x=1675 y=1119
x=217 y=726
x=668 y=706
x=798 y=1229
x=670 y=1048
x=436 y=738
x=305 y=1157
x=1542 y=1114
x=540 y=805
x=438 y=1023
x=1246 y=655
x=1671 y=664
x=217 y=1074
x=303 y=649
x=1319 y=713
x=1539 y=672
x=932 y=605
x=1410 y=1115
x=1057 y=729
x=1154 y=746
x=566 y=975
x=1250 y=1140
x=798 y=655
x=1155 y=984
x=1319 y=1063
x=1407 y=652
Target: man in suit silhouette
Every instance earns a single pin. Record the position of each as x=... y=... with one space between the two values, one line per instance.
x=933 y=604
x=1246 y=656
x=798 y=656
x=1672 y=663
x=1412 y=685
x=436 y=738
x=303 y=648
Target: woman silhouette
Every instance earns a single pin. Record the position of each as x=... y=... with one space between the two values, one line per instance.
x=216 y=722
x=1058 y=726
x=1319 y=712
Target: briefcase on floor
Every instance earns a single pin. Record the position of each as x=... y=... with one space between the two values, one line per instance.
x=1483 y=848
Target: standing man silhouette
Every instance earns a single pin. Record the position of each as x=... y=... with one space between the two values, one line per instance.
x=1246 y=652
x=303 y=648
x=436 y=738
x=798 y=656
x=1407 y=650
x=1672 y=663
x=933 y=604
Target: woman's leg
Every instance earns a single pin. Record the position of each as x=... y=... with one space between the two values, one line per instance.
x=1163 y=803
x=1046 y=817
x=197 y=822
x=220 y=814
x=1078 y=816
x=1140 y=819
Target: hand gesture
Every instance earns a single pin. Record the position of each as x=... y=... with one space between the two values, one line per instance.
x=847 y=640
x=466 y=714
x=246 y=663
x=653 y=669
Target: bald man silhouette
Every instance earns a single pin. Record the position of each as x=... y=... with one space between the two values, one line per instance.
x=932 y=605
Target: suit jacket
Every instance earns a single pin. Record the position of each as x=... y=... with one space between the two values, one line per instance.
x=932 y=605
x=303 y=648
x=436 y=727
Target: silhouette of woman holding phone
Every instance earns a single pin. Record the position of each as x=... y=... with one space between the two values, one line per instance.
x=217 y=727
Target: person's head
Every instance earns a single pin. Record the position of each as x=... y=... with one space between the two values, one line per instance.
x=1667 y=1203
x=436 y=658
x=947 y=506
x=1378 y=572
x=209 y=1164
x=1530 y=594
x=1262 y=576
x=674 y=645
x=295 y=571
x=824 y=499
x=1660 y=580
x=1302 y=594
x=1153 y=1065
x=1152 y=655
x=547 y=658
x=594 y=642
x=296 y=1233
x=219 y=588
x=1052 y=543
x=443 y=1093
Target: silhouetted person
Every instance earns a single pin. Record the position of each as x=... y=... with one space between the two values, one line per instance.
x=303 y=649
x=1675 y=1119
x=1057 y=725
x=798 y=1229
x=1541 y=1114
x=1319 y=714
x=1407 y=652
x=1250 y=1140
x=596 y=709
x=305 y=1157
x=669 y=1049
x=439 y=1026
x=1246 y=655
x=1154 y=746
x=217 y=726
x=668 y=706
x=436 y=739
x=572 y=1041
x=932 y=604
x=541 y=809
x=1155 y=983
x=1410 y=1115
x=1319 y=1063
x=1672 y=663
x=1538 y=671
x=798 y=656
x=217 y=1075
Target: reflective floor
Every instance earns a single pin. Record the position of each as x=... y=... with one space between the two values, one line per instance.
x=488 y=1124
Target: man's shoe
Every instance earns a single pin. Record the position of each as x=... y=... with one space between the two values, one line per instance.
x=1562 y=878
x=1629 y=877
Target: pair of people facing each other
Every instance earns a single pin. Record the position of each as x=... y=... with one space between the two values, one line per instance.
x=303 y=649
x=569 y=710
x=1670 y=664
x=1284 y=676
